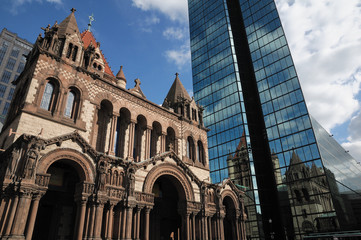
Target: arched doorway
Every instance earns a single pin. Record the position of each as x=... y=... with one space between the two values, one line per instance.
x=230 y=232
x=165 y=218
x=57 y=209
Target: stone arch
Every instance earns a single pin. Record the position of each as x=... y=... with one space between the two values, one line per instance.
x=170 y=170
x=84 y=167
x=229 y=193
x=230 y=219
x=104 y=96
x=84 y=93
x=175 y=128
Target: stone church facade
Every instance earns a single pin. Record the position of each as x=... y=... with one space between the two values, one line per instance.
x=85 y=158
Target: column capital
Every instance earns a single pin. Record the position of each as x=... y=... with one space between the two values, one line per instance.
x=38 y=195
x=147 y=209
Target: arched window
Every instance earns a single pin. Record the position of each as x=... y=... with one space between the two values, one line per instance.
x=121 y=132
x=72 y=104
x=69 y=105
x=190 y=149
x=155 y=134
x=170 y=140
x=49 y=97
x=200 y=152
x=306 y=194
x=298 y=196
x=104 y=115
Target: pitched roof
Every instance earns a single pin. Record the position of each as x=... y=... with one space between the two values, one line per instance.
x=88 y=38
x=68 y=25
x=176 y=91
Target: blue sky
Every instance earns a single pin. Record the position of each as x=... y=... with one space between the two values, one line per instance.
x=150 y=38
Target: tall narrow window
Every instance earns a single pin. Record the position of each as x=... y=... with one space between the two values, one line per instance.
x=69 y=109
x=75 y=52
x=200 y=152
x=70 y=48
x=190 y=149
x=47 y=96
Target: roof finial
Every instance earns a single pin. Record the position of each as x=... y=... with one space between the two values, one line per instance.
x=73 y=10
x=176 y=74
x=91 y=19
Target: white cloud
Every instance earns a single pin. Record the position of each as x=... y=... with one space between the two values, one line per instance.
x=17 y=5
x=324 y=37
x=176 y=10
x=147 y=23
x=179 y=56
x=174 y=33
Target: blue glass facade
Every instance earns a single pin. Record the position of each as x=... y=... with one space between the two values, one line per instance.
x=261 y=134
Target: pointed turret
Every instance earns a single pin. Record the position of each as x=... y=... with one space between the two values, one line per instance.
x=176 y=93
x=295 y=159
x=121 y=80
x=68 y=26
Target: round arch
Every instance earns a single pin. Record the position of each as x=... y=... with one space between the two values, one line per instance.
x=83 y=166
x=228 y=193
x=183 y=185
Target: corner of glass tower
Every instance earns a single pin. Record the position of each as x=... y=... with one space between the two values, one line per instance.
x=261 y=134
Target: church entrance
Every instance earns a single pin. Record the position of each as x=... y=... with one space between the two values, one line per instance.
x=229 y=221
x=57 y=209
x=165 y=220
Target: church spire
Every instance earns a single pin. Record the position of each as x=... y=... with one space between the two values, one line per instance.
x=69 y=25
x=176 y=92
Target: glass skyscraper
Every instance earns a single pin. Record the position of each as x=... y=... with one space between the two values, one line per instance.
x=261 y=134
x=13 y=50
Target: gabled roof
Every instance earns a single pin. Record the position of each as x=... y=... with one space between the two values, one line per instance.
x=177 y=91
x=88 y=38
x=68 y=25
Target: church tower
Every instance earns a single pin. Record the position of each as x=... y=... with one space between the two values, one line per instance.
x=85 y=158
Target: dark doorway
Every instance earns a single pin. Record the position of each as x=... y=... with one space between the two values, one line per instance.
x=57 y=209
x=230 y=219
x=165 y=221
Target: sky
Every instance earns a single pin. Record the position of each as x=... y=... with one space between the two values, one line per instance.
x=150 y=38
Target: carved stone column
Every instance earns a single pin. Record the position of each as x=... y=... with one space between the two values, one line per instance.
x=98 y=219
x=148 y=134
x=90 y=231
x=137 y=231
x=7 y=206
x=221 y=220
x=237 y=228
x=110 y=221
x=124 y=222
x=146 y=224
x=22 y=212
x=131 y=140
x=32 y=217
x=218 y=224
x=11 y=215
x=186 y=230
x=163 y=142
x=80 y=218
x=128 y=231
x=113 y=128
x=204 y=227
x=194 y=226
x=209 y=219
